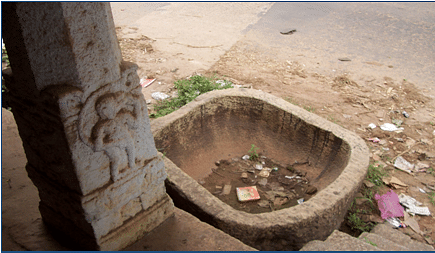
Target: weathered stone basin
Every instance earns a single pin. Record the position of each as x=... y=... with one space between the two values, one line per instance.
x=224 y=124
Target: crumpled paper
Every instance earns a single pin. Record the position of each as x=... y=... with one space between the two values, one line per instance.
x=412 y=205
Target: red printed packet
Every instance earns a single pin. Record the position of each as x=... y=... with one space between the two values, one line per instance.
x=146 y=82
x=247 y=193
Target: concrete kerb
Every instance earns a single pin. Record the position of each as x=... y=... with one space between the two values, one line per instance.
x=313 y=220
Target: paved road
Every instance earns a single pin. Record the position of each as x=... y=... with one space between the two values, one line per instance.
x=399 y=37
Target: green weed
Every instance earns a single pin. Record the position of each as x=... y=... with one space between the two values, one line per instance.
x=370 y=242
x=188 y=90
x=309 y=108
x=375 y=175
x=432 y=198
x=253 y=153
x=290 y=100
x=358 y=224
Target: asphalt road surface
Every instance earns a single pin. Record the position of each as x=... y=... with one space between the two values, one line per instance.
x=397 y=37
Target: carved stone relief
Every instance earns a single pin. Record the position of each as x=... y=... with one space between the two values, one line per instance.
x=109 y=117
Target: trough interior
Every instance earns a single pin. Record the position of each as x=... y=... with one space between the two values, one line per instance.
x=225 y=127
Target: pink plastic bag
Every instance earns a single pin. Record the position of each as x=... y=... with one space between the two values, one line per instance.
x=389 y=205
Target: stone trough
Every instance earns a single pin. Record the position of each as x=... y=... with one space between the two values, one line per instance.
x=224 y=124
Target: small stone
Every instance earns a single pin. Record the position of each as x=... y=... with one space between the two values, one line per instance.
x=344 y=59
x=368 y=184
x=280 y=201
x=244 y=175
x=311 y=190
x=218 y=187
x=217 y=163
x=226 y=190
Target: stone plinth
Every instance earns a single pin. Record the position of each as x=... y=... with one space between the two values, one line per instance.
x=84 y=124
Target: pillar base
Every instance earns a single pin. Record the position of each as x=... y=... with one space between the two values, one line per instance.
x=131 y=231
x=135 y=228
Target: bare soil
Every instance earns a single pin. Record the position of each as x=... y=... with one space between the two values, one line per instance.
x=351 y=100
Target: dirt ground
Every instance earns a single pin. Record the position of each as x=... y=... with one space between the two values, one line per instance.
x=278 y=186
x=351 y=100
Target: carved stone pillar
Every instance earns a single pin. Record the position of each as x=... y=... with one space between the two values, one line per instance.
x=84 y=124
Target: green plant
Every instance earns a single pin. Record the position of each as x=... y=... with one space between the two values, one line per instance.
x=370 y=242
x=357 y=223
x=309 y=108
x=432 y=198
x=432 y=123
x=188 y=90
x=332 y=119
x=290 y=100
x=375 y=175
x=253 y=153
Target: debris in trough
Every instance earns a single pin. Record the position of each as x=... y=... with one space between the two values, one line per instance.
x=280 y=185
x=247 y=193
x=226 y=190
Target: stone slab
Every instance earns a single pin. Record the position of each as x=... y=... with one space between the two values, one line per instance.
x=184 y=232
x=386 y=231
x=343 y=242
x=381 y=242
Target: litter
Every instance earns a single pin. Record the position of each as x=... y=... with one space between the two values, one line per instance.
x=288 y=31
x=258 y=167
x=405 y=114
x=401 y=164
x=245 y=157
x=374 y=140
x=421 y=190
x=396 y=222
x=411 y=222
x=290 y=177
x=394 y=182
x=247 y=193
x=262 y=181
x=412 y=205
x=146 y=82
x=159 y=96
x=265 y=172
x=389 y=205
x=372 y=126
x=300 y=201
x=226 y=190
x=275 y=168
x=390 y=127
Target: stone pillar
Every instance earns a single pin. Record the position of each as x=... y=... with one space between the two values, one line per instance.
x=84 y=124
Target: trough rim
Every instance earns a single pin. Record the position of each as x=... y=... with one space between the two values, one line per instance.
x=341 y=191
